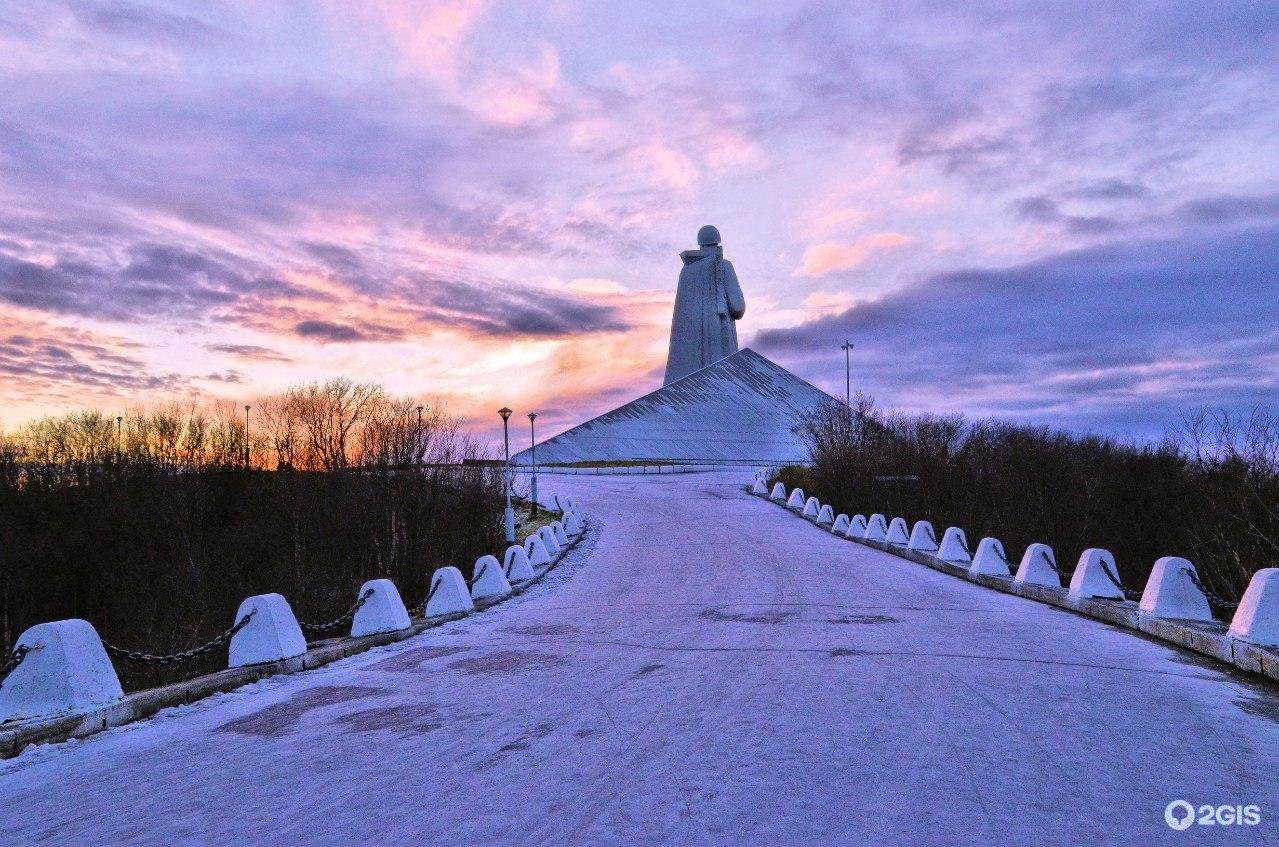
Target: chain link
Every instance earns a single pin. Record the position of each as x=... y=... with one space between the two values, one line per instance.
x=346 y=617
x=19 y=653
x=1213 y=598
x=1114 y=578
x=177 y=658
x=420 y=608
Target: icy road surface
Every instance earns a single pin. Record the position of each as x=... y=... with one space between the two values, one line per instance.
x=706 y=670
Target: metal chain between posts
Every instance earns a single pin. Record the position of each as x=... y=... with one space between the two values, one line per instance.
x=1213 y=598
x=186 y=655
x=420 y=608
x=1114 y=578
x=346 y=617
x=1051 y=558
x=19 y=653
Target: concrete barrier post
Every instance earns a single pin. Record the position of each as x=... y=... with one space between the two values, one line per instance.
x=1171 y=592
x=876 y=528
x=516 y=564
x=538 y=555
x=856 y=527
x=812 y=507
x=898 y=535
x=826 y=516
x=1095 y=576
x=573 y=525
x=488 y=580
x=922 y=538
x=796 y=500
x=1038 y=567
x=1257 y=618
x=271 y=635
x=779 y=493
x=449 y=593
x=954 y=547
x=64 y=668
x=561 y=537
x=758 y=487
x=548 y=538
x=383 y=611
x=990 y=559
x=840 y=526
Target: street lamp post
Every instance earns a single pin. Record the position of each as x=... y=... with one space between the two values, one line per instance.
x=848 y=380
x=532 y=440
x=509 y=517
x=246 y=437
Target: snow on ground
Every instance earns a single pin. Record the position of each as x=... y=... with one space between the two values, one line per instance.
x=706 y=669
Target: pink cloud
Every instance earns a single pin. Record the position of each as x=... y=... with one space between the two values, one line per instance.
x=828 y=257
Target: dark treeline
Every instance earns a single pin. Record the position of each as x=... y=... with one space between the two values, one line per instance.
x=155 y=527
x=1209 y=493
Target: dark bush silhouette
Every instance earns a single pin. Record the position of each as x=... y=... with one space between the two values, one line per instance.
x=153 y=528
x=1209 y=493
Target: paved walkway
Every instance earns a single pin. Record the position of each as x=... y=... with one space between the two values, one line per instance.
x=706 y=670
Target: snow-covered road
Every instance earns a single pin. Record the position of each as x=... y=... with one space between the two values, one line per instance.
x=706 y=670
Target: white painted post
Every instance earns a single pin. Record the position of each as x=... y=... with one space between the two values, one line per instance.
x=990 y=559
x=516 y=564
x=1171 y=593
x=796 y=500
x=954 y=547
x=758 y=487
x=561 y=537
x=538 y=555
x=573 y=525
x=1090 y=578
x=922 y=538
x=898 y=535
x=1038 y=567
x=383 y=612
x=1257 y=618
x=779 y=493
x=876 y=528
x=448 y=593
x=825 y=516
x=840 y=526
x=812 y=507
x=271 y=635
x=548 y=538
x=489 y=581
x=856 y=527
x=65 y=669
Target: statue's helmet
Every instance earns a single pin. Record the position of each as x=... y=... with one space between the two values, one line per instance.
x=707 y=236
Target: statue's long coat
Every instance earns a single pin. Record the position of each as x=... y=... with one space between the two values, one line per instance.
x=707 y=302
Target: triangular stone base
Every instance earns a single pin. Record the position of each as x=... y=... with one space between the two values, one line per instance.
x=740 y=410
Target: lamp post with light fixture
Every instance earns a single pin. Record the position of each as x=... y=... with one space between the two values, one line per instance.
x=532 y=440
x=509 y=517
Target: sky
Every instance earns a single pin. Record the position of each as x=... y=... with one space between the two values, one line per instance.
x=1062 y=213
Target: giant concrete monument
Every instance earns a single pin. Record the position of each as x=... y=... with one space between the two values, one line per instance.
x=708 y=304
x=717 y=404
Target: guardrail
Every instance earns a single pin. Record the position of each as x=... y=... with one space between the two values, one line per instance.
x=59 y=682
x=1174 y=605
